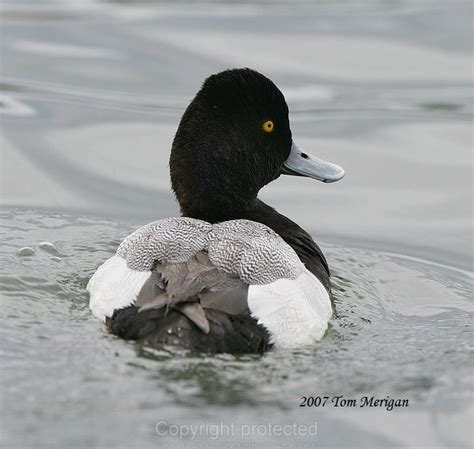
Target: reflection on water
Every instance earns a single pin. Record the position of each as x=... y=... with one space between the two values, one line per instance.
x=90 y=98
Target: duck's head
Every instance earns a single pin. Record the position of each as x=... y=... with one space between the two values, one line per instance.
x=233 y=139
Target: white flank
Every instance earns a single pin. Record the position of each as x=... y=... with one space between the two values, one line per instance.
x=295 y=312
x=114 y=286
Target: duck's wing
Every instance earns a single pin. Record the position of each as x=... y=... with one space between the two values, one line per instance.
x=191 y=288
x=131 y=272
x=204 y=273
x=183 y=257
x=233 y=301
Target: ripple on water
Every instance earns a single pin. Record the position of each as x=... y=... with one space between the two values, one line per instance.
x=401 y=329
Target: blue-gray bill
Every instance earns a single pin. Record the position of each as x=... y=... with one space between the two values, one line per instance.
x=300 y=163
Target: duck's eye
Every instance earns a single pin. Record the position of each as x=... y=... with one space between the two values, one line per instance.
x=268 y=126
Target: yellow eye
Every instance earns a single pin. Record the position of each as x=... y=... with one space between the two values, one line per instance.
x=268 y=126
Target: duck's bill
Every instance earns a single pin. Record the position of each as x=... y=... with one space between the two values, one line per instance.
x=300 y=163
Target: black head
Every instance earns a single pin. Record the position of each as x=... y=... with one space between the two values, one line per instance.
x=232 y=140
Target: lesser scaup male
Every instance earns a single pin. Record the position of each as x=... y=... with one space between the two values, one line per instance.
x=231 y=274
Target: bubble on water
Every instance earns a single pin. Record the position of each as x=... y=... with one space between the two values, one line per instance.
x=49 y=248
x=25 y=251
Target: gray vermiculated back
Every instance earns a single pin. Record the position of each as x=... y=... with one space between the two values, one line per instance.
x=258 y=254
x=171 y=240
x=244 y=248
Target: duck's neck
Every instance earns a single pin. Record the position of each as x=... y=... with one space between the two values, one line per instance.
x=220 y=209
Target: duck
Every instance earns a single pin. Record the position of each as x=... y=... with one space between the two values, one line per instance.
x=231 y=274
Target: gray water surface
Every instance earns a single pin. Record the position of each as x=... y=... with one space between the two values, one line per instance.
x=90 y=97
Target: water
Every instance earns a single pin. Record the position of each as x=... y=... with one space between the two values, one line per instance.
x=91 y=95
